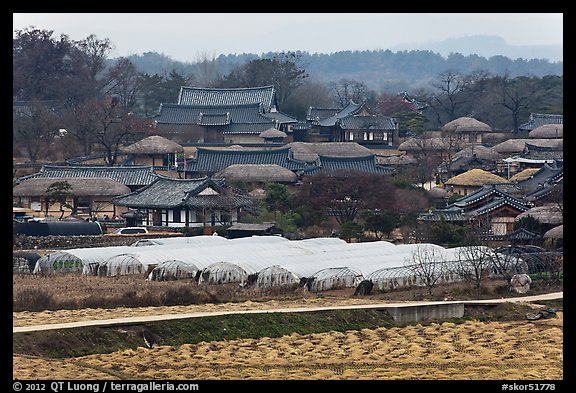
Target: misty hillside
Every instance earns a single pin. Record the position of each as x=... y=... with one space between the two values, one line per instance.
x=488 y=46
x=386 y=70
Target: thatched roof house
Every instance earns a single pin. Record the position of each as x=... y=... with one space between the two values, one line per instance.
x=516 y=146
x=89 y=186
x=547 y=131
x=154 y=144
x=420 y=144
x=524 y=175
x=272 y=133
x=309 y=152
x=555 y=233
x=466 y=124
x=548 y=214
x=258 y=173
x=475 y=178
x=480 y=151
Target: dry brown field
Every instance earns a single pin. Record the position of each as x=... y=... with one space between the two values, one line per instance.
x=473 y=350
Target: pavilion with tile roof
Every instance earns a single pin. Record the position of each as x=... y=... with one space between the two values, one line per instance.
x=198 y=202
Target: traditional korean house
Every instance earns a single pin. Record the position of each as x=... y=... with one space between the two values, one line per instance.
x=490 y=208
x=353 y=123
x=472 y=180
x=84 y=197
x=232 y=115
x=91 y=192
x=201 y=202
x=467 y=129
x=538 y=119
x=157 y=151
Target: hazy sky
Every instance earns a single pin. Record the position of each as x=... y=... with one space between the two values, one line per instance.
x=188 y=36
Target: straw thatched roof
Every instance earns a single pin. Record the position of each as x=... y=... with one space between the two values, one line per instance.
x=154 y=144
x=272 y=133
x=466 y=124
x=309 y=152
x=88 y=186
x=555 y=233
x=525 y=174
x=435 y=143
x=258 y=173
x=480 y=151
x=548 y=214
x=400 y=159
x=512 y=146
x=547 y=131
x=476 y=178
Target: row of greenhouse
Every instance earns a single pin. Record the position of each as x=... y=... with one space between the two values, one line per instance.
x=265 y=261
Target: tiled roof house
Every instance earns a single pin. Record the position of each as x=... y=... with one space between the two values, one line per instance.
x=352 y=123
x=539 y=119
x=232 y=115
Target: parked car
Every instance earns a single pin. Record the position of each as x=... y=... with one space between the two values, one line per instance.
x=130 y=231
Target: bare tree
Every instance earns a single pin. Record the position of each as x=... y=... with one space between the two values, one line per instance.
x=474 y=264
x=346 y=90
x=207 y=73
x=428 y=265
x=447 y=104
x=123 y=82
x=516 y=95
x=35 y=128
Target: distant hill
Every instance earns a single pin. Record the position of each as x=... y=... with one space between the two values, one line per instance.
x=385 y=70
x=488 y=46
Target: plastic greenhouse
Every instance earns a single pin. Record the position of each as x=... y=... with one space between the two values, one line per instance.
x=275 y=276
x=173 y=270
x=272 y=260
x=83 y=260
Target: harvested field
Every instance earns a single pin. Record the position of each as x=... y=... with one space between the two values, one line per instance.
x=472 y=350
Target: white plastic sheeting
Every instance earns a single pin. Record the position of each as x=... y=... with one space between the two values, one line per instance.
x=335 y=278
x=273 y=260
x=173 y=270
x=223 y=272
x=84 y=260
x=275 y=276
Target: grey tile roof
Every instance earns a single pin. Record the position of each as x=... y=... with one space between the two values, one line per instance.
x=535 y=152
x=350 y=109
x=496 y=203
x=265 y=95
x=363 y=164
x=168 y=192
x=545 y=175
x=455 y=213
x=127 y=175
x=212 y=161
x=280 y=117
x=486 y=193
x=367 y=122
x=539 y=119
x=317 y=114
x=197 y=114
x=254 y=128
